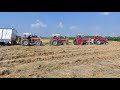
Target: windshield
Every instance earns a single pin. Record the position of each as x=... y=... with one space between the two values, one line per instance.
x=61 y=37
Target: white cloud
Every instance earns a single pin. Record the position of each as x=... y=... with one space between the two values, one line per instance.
x=73 y=27
x=60 y=25
x=38 y=24
x=105 y=13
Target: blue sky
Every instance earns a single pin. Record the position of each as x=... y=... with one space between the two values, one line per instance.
x=65 y=23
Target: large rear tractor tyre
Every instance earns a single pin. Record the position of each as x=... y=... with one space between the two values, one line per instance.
x=25 y=43
x=98 y=42
x=80 y=42
x=38 y=43
x=55 y=43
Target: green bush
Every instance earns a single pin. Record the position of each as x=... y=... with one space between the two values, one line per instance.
x=113 y=38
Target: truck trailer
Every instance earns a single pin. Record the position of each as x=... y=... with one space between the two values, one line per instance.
x=8 y=36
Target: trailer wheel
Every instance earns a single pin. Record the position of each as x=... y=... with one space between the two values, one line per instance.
x=2 y=44
x=55 y=42
x=8 y=44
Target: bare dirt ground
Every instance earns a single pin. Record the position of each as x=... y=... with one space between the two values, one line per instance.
x=71 y=61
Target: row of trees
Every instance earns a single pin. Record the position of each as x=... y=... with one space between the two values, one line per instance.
x=113 y=38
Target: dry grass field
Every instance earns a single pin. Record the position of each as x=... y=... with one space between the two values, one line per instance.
x=70 y=61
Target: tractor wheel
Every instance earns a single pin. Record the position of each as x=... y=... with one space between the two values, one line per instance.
x=55 y=43
x=98 y=42
x=8 y=44
x=2 y=44
x=25 y=43
x=13 y=42
x=80 y=42
x=37 y=43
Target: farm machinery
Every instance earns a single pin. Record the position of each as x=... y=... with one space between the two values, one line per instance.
x=98 y=40
x=79 y=40
x=29 y=39
x=57 y=39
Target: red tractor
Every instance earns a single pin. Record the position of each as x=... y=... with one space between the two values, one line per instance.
x=79 y=40
x=29 y=39
x=57 y=39
x=98 y=40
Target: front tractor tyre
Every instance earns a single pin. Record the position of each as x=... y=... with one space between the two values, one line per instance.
x=38 y=43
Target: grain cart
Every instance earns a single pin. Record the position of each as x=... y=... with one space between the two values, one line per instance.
x=29 y=39
x=8 y=36
x=98 y=40
x=57 y=39
x=79 y=40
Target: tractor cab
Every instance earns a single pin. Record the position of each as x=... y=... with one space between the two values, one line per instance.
x=78 y=37
x=31 y=37
x=55 y=36
x=26 y=35
x=97 y=37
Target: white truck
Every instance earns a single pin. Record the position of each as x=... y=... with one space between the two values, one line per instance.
x=8 y=36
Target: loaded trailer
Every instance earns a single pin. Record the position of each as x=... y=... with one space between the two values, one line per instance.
x=8 y=36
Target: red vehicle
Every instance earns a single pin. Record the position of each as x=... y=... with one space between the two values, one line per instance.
x=79 y=40
x=31 y=40
x=57 y=39
x=100 y=40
